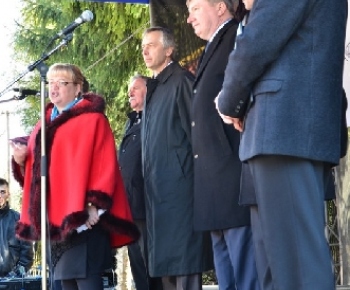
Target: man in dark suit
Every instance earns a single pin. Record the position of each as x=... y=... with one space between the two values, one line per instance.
x=131 y=170
x=288 y=96
x=217 y=168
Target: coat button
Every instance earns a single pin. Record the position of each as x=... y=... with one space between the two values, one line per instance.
x=196 y=156
x=195 y=91
x=120 y=168
x=193 y=124
x=241 y=102
x=123 y=150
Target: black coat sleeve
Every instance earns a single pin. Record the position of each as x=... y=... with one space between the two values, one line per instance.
x=26 y=254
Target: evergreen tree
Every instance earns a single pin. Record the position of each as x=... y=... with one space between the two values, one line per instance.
x=107 y=49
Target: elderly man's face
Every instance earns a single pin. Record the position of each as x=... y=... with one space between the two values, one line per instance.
x=137 y=93
x=204 y=17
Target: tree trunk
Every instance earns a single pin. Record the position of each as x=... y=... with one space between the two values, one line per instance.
x=124 y=276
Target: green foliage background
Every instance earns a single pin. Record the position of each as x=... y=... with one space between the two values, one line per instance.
x=107 y=49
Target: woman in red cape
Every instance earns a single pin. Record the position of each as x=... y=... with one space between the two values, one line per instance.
x=87 y=208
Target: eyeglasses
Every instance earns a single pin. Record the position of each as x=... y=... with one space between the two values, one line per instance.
x=60 y=84
x=3 y=191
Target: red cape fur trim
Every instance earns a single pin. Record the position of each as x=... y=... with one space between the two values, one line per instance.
x=26 y=232
x=99 y=199
x=108 y=222
x=119 y=226
x=16 y=171
x=69 y=225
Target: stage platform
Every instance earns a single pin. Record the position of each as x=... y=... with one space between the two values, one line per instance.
x=215 y=287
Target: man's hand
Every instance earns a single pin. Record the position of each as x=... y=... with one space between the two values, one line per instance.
x=236 y=122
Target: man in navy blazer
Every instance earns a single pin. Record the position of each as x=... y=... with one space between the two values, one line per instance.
x=217 y=168
x=287 y=102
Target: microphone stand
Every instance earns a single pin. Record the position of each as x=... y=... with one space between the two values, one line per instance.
x=5 y=101
x=42 y=68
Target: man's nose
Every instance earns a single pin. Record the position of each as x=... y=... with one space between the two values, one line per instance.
x=189 y=18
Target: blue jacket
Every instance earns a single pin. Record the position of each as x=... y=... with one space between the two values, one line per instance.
x=289 y=85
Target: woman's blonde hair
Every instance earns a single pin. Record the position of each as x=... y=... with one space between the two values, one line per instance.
x=70 y=70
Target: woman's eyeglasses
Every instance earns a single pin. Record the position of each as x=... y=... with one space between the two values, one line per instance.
x=59 y=83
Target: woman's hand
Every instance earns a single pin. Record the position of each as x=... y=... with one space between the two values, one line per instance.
x=20 y=152
x=93 y=216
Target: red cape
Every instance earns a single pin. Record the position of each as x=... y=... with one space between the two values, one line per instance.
x=82 y=168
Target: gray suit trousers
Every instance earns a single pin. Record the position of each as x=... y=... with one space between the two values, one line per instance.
x=288 y=223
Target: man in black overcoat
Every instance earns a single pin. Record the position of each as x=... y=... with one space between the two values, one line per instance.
x=217 y=168
x=176 y=252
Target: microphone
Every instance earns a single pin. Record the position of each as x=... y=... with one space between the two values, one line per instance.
x=26 y=91
x=23 y=93
x=86 y=16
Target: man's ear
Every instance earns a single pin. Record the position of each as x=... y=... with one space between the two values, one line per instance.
x=169 y=51
x=221 y=8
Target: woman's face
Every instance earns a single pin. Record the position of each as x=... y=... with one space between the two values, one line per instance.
x=62 y=89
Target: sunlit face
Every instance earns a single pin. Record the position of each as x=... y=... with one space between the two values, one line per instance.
x=155 y=55
x=248 y=4
x=4 y=195
x=137 y=93
x=204 y=17
x=62 y=90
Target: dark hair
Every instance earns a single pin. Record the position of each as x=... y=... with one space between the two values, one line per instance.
x=86 y=86
x=240 y=11
x=168 y=39
x=3 y=182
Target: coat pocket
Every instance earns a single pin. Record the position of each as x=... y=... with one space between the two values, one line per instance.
x=267 y=86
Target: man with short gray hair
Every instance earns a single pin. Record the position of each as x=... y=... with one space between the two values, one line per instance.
x=129 y=158
x=176 y=252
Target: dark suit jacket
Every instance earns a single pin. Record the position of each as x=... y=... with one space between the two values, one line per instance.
x=131 y=167
x=290 y=63
x=215 y=144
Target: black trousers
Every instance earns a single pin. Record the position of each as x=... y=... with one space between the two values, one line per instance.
x=93 y=282
x=139 y=262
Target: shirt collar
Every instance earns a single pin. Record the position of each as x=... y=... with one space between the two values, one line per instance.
x=55 y=112
x=218 y=29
